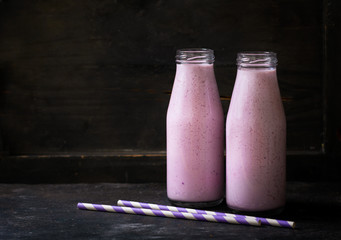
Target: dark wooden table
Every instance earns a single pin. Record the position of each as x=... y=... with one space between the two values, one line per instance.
x=50 y=212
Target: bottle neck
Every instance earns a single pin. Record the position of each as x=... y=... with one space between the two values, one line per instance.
x=257 y=60
x=194 y=56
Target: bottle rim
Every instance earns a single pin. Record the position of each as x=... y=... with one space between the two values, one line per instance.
x=194 y=56
x=257 y=59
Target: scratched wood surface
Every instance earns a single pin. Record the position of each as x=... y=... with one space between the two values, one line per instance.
x=48 y=211
x=90 y=76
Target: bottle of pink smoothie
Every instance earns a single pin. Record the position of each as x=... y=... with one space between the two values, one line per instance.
x=256 y=137
x=195 y=133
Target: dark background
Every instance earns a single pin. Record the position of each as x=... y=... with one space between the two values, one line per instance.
x=85 y=85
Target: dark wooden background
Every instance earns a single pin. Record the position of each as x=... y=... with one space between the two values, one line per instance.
x=85 y=85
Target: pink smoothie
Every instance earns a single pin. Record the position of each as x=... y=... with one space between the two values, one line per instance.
x=255 y=143
x=195 y=136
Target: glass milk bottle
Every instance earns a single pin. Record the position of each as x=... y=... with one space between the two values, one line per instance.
x=195 y=132
x=256 y=137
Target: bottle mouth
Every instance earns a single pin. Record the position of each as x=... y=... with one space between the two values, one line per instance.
x=257 y=59
x=194 y=56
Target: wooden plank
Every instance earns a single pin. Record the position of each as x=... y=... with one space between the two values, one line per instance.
x=332 y=87
x=83 y=76
x=135 y=167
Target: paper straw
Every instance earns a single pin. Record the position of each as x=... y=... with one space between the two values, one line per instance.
x=167 y=214
x=265 y=221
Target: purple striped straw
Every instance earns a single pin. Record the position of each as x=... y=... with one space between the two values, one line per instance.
x=168 y=214
x=265 y=221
